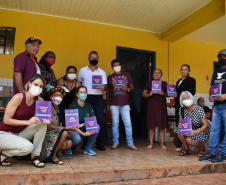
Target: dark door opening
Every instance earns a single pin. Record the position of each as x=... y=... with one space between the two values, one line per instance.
x=140 y=64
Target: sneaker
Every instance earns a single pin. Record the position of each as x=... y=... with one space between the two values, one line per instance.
x=68 y=151
x=207 y=157
x=89 y=151
x=218 y=158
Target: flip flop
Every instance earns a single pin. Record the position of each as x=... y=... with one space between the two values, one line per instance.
x=4 y=162
x=56 y=162
x=35 y=161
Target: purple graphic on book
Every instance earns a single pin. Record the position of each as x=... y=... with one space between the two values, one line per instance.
x=91 y=124
x=216 y=91
x=171 y=89
x=156 y=86
x=96 y=81
x=71 y=117
x=43 y=110
x=120 y=83
x=186 y=126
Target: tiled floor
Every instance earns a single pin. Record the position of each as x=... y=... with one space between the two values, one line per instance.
x=147 y=163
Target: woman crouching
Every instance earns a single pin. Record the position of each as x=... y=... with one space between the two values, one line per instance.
x=200 y=129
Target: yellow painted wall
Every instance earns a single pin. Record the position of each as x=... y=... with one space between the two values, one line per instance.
x=72 y=40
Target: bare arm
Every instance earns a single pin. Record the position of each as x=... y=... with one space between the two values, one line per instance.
x=145 y=93
x=207 y=115
x=60 y=82
x=11 y=109
x=19 y=81
x=108 y=95
x=78 y=84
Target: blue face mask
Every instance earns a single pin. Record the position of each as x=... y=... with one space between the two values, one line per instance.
x=222 y=61
x=82 y=96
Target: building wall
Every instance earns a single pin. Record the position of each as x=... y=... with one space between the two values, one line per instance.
x=72 y=40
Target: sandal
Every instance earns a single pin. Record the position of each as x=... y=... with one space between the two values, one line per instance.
x=201 y=152
x=163 y=147
x=56 y=162
x=185 y=152
x=35 y=161
x=5 y=161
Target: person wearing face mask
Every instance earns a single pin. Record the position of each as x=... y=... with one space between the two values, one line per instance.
x=200 y=129
x=117 y=103
x=218 y=125
x=20 y=126
x=157 y=110
x=95 y=96
x=201 y=103
x=26 y=65
x=84 y=110
x=69 y=83
x=56 y=136
x=45 y=63
x=186 y=83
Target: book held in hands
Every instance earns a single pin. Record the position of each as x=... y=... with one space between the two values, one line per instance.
x=43 y=110
x=171 y=90
x=156 y=86
x=91 y=124
x=71 y=117
x=120 y=82
x=96 y=81
x=216 y=91
x=186 y=126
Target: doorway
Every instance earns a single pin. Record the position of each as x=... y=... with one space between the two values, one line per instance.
x=140 y=64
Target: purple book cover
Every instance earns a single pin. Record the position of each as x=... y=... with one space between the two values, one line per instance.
x=186 y=127
x=156 y=86
x=171 y=89
x=120 y=83
x=43 y=110
x=71 y=117
x=216 y=91
x=91 y=124
x=96 y=81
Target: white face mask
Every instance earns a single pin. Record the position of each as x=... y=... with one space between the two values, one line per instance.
x=71 y=76
x=117 y=69
x=35 y=90
x=57 y=100
x=187 y=103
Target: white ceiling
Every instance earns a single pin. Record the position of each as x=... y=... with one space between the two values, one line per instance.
x=148 y=15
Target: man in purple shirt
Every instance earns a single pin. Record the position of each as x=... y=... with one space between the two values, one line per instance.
x=26 y=65
x=119 y=86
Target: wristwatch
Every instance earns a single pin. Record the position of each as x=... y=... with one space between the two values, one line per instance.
x=128 y=89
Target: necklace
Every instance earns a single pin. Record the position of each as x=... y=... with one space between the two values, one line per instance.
x=71 y=85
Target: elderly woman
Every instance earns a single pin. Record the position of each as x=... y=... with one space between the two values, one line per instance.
x=200 y=129
x=56 y=137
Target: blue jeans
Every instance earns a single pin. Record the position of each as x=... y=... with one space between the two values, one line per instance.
x=218 y=122
x=125 y=114
x=76 y=138
x=97 y=104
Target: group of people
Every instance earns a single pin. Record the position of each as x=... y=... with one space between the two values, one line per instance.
x=22 y=133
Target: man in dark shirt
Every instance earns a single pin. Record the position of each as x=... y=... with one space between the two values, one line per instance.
x=26 y=65
x=119 y=86
x=219 y=116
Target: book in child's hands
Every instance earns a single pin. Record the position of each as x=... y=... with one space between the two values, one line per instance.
x=71 y=117
x=216 y=91
x=43 y=110
x=156 y=86
x=96 y=81
x=186 y=126
x=91 y=124
x=120 y=82
x=171 y=90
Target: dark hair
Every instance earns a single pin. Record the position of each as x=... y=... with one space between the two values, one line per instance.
x=44 y=62
x=94 y=52
x=200 y=98
x=159 y=70
x=186 y=65
x=55 y=89
x=77 y=90
x=69 y=67
x=114 y=61
x=33 y=78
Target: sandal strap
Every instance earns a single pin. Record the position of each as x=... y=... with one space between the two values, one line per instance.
x=36 y=162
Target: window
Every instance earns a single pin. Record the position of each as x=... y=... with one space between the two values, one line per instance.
x=7 y=38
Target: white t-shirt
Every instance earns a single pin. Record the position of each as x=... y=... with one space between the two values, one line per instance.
x=85 y=77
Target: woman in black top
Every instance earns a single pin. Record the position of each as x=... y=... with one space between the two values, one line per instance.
x=186 y=83
x=70 y=83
